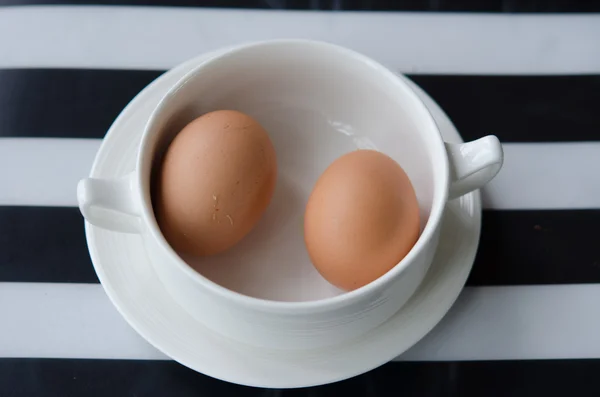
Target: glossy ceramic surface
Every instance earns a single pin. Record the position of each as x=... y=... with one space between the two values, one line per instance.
x=124 y=268
x=318 y=101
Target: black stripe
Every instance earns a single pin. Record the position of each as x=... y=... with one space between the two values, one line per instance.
x=91 y=378
x=47 y=244
x=519 y=108
x=84 y=103
x=44 y=244
x=506 y=6
x=65 y=103
x=538 y=247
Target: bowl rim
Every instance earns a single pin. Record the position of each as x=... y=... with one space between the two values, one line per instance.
x=176 y=263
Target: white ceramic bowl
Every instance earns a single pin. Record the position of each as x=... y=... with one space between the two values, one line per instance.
x=317 y=101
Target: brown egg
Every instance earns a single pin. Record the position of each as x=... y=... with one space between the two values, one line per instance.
x=361 y=219
x=217 y=178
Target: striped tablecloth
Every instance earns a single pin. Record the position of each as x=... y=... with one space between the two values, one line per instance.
x=528 y=322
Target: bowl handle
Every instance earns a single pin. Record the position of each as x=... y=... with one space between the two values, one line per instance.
x=110 y=203
x=473 y=164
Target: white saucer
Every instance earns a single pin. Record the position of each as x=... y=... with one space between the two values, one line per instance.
x=130 y=282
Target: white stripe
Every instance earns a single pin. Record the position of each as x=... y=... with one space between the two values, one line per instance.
x=486 y=323
x=526 y=322
x=65 y=321
x=161 y=37
x=546 y=176
x=45 y=172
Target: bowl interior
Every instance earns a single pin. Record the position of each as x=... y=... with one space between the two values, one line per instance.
x=317 y=103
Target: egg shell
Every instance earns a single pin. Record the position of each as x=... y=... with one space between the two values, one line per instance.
x=361 y=219
x=216 y=180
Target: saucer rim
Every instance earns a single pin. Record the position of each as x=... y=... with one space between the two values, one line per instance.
x=471 y=200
